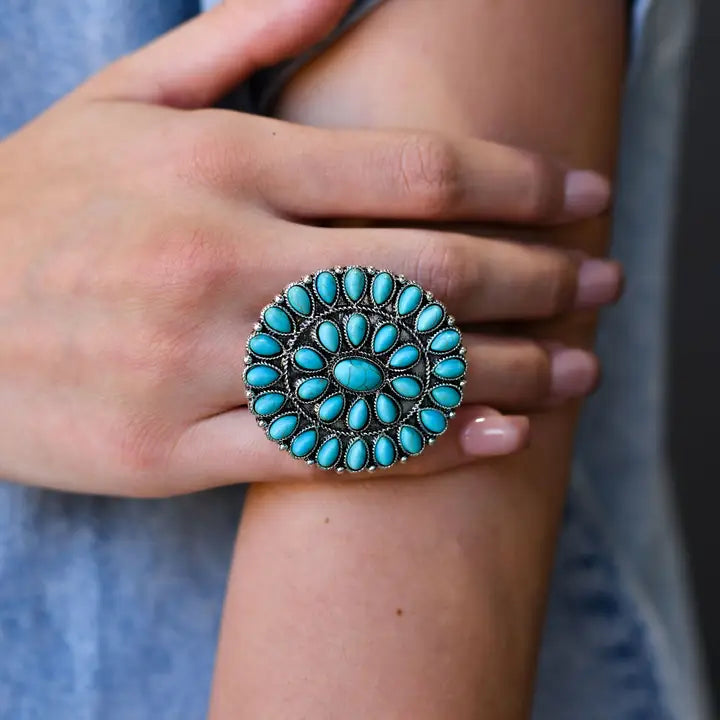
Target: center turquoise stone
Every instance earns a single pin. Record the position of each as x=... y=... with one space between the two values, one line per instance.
x=358 y=374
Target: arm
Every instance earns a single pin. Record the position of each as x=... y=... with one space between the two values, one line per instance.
x=425 y=599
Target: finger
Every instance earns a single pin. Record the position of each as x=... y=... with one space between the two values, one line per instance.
x=479 y=280
x=312 y=172
x=206 y=57
x=231 y=448
x=513 y=373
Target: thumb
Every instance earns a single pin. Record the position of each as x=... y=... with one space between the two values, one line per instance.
x=200 y=61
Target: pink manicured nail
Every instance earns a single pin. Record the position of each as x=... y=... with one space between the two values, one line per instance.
x=599 y=283
x=494 y=434
x=573 y=373
x=586 y=193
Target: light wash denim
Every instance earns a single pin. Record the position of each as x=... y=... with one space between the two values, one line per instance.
x=109 y=608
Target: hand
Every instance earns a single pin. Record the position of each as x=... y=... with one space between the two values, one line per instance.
x=140 y=235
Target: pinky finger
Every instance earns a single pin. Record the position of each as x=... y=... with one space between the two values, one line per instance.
x=230 y=448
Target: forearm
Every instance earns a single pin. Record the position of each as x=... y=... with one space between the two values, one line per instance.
x=424 y=599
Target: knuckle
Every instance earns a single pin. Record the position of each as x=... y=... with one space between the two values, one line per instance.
x=185 y=266
x=559 y=285
x=206 y=153
x=537 y=196
x=429 y=169
x=441 y=266
x=537 y=373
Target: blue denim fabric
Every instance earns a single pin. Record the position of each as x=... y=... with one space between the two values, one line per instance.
x=110 y=608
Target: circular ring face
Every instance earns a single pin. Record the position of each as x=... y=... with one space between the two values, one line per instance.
x=354 y=369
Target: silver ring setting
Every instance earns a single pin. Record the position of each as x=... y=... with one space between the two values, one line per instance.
x=354 y=369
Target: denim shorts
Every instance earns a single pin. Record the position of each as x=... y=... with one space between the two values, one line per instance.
x=84 y=633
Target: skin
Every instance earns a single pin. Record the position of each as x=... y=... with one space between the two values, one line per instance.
x=143 y=232
x=425 y=599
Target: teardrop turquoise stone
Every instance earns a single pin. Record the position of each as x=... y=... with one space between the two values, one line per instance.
x=445 y=341
x=386 y=409
x=354 y=283
x=382 y=287
x=429 y=318
x=433 y=420
x=359 y=415
x=404 y=357
x=329 y=336
x=299 y=300
x=411 y=440
x=304 y=443
x=356 y=329
x=268 y=403
x=307 y=359
x=277 y=319
x=384 y=451
x=261 y=376
x=326 y=287
x=407 y=387
x=446 y=396
x=283 y=427
x=358 y=374
x=409 y=299
x=331 y=408
x=357 y=455
x=450 y=368
x=312 y=389
x=264 y=345
x=328 y=453
x=385 y=337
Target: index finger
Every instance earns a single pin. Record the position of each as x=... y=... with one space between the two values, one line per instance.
x=411 y=175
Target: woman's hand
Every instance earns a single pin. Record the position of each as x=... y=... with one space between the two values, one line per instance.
x=141 y=234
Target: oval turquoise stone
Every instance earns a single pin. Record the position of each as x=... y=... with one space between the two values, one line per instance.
x=304 y=443
x=404 y=357
x=331 y=408
x=411 y=440
x=357 y=455
x=358 y=374
x=450 y=368
x=409 y=299
x=433 y=420
x=283 y=427
x=354 y=283
x=261 y=376
x=445 y=341
x=407 y=387
x=268 y=403
x=356 y=329
x=312 y=388
x=384 y=451
x=307 y=359
x=329 y=336
x=326 y=287
x=277 y=319
x=446 y=396
x=328 y=453
x=264 y=345
x=299 y=299
x=359 y=415
x=386 y=408
x=382 y=287
x=429 y=318
x=385 y=337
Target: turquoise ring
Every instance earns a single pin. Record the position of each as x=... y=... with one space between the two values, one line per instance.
x=354 y=368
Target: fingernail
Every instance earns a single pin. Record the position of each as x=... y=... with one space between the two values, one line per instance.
x=573 y=373
x=490 y=435
x=599 y=283
x=586 y=193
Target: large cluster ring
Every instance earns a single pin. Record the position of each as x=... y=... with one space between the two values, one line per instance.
x=354 y=369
